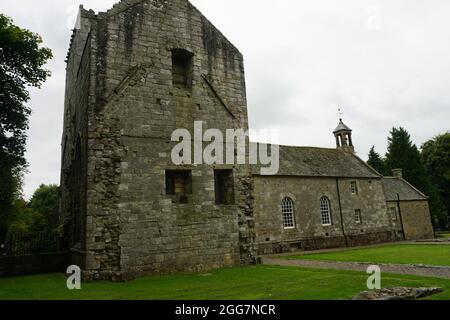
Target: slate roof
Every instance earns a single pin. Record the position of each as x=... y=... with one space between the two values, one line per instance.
x=341 y=127
x=394 y=186
x=320 y=162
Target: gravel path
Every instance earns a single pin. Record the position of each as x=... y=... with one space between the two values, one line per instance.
x=417 y=270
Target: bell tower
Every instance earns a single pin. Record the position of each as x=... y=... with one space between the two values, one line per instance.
x=343 y=136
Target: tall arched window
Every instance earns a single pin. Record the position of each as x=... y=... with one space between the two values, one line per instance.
x=325 y=212
x=287 y=209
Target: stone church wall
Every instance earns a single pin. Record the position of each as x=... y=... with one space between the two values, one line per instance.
x=309 y=233
x=416 y=220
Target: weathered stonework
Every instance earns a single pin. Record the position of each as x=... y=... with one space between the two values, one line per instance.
x=135 y=74
x=415 y=221
x=120 y=65
x=407 y=209
x=398 y=293
x=309 y=233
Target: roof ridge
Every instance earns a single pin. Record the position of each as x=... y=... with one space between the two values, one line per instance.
x=309 y=147
x=367 y=165
x=291 y=146
x=417 y=190
x=408 y=185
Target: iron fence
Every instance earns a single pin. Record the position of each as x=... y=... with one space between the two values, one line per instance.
x=18 y=244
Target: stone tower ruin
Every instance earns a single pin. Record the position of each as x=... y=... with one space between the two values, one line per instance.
x=136 y=73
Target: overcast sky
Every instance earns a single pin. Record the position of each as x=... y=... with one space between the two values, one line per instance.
x=386 y=63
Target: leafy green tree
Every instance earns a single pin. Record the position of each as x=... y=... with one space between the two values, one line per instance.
x=23 y=217
x=402 y=153
x=21 y=66
x=39 y=214
x=10 y=186
x=45 y=204
x=376 y=161
x=436 y=156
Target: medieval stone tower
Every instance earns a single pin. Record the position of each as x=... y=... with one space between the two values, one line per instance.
x=135 y=74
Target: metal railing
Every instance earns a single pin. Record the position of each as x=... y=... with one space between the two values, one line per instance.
x=18 y=244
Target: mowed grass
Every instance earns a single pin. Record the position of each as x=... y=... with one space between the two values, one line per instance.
x=248 y=283
x=436 y=255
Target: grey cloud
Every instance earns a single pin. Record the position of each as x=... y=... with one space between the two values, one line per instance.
x=302 y=58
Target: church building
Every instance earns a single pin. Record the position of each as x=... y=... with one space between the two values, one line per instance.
x=145 y=68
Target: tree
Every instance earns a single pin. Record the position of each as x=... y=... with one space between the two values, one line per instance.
x=23 y=217
x=436 y=156
x=10 y=186
x=39 y=214
x=402 y=153
x=376 y=161
x=21 y=66
x=45 y=204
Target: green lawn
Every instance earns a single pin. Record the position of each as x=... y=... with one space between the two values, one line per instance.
x=253 y=283
x=438 y=255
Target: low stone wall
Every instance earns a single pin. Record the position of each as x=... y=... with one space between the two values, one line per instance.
x=325 y=243
x=11 y=266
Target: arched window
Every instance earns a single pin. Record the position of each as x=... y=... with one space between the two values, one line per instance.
x=325 y=212
x=287 y=209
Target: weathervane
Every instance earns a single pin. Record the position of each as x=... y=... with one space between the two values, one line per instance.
x=340 y=113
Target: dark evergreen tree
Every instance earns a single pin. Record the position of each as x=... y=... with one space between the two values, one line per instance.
x=376 y=161
x=436 y=156
x=402 y=153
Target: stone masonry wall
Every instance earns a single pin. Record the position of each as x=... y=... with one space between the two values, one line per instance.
x=309 y=233
x=394 y=216
x=75 y=137
x=416 y=220
x=132 y=226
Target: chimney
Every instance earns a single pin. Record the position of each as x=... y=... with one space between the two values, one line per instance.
x=397 y=173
